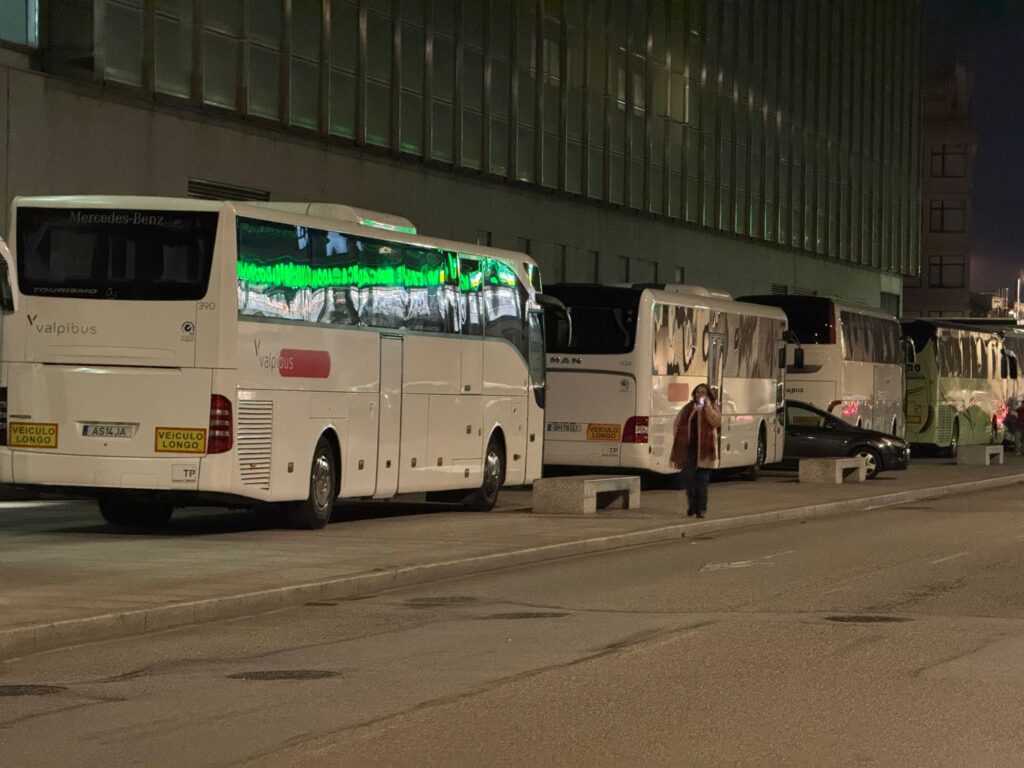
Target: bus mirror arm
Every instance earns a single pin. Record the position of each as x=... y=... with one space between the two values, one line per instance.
x=798 y=354
x=557 y=308
x=909 y=351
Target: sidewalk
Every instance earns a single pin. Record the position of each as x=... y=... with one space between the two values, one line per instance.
x=67 y=578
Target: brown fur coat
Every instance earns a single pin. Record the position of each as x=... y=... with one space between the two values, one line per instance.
x=706 y=420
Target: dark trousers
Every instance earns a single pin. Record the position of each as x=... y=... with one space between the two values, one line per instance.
x=695 y=481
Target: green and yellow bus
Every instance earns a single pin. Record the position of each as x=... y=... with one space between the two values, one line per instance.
x=955 y=385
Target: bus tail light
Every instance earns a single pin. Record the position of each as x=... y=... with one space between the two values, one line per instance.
x=3 y=415
x=636 y=430
x=221 y=425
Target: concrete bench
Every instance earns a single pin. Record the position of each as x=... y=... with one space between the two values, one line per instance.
x=834 y=471
x=584 y=494
x=980 y=455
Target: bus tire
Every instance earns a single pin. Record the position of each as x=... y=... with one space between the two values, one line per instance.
x=315 y=511
x=873 y=459
x=135 y=514
x=954 y=440
x=754 y=470
x=485 y=497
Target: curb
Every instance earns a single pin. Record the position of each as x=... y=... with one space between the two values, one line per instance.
x=20 y=641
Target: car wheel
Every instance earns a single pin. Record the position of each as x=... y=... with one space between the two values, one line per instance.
x=873 y=460
x=315 y=511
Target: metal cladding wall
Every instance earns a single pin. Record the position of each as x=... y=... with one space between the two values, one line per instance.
x=616 y=139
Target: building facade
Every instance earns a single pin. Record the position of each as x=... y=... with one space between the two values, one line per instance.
x=747 y=145
x=949 y=144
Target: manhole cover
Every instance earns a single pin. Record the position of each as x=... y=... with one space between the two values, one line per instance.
x=861 y=618
x=29 y=690
x=527 y=615
x=424 y=602
x=284 y=674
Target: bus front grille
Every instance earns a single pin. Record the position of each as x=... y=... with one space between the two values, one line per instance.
x=255 y=440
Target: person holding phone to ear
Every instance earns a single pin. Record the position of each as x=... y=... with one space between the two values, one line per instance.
x=695 y=447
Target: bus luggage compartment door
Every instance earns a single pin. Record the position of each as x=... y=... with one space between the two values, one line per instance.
x=389 y=430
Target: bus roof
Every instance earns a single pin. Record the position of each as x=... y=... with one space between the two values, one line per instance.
x=699 y=297
x=788 y=299
x=921 y=331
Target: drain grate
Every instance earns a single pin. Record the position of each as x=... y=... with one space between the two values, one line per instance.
x=30 y=690
x=426 y=602
x=866 y=618
x=320 y=604
x=284 y=674
x=527 y=615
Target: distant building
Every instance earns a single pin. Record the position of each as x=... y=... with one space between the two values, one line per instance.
x=748 y=146
x=990 y=304
x=948 y=143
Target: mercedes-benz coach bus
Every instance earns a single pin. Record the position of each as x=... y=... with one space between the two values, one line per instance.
x=170 y=352
x=955 y=385
x=849 y=363
x=635 y=355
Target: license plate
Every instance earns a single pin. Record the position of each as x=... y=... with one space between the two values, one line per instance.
x=27 y=434
x=604 y=432
x=180 y=440
x=108 y=429
x=563 y=426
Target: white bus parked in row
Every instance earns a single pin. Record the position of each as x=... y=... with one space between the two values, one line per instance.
x=844 y=359
x=169 y=352
x=635 y=355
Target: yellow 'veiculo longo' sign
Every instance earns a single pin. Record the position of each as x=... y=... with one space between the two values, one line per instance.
x=178 y=440
x=26 y=434
x=604 y=432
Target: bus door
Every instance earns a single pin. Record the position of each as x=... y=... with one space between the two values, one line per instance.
x=389 y=431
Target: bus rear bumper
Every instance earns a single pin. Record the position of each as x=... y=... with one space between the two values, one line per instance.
x=91 y=474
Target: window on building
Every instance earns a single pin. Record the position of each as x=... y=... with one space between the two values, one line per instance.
x=948 y=216
x=946 y=271
x=19 y=21
x=172 y=47
x=949 y=161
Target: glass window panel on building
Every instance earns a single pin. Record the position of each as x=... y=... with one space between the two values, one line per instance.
x=304 y=86
x=946 y=271
x=947 y=216
x=123 y=22
x=19 y=21
x=172 y=47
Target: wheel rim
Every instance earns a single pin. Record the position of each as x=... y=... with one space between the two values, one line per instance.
x=322 y=481
x=492 y=472
x=869 y=461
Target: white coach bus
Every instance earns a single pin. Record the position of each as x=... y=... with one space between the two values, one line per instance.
x=170 y=352
x=635 y=355
x=845 y=359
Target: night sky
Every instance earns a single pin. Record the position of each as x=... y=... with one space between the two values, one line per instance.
x=989 y=36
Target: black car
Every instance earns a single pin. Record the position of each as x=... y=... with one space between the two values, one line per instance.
x=812 y=433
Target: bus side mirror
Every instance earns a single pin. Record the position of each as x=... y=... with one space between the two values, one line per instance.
x=782 y=357
x=909 y=352
x=798 y=358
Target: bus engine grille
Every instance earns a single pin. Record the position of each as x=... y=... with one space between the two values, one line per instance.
x=255 y=438
x=944 y=427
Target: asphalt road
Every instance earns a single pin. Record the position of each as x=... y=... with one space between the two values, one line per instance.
x=889 y=638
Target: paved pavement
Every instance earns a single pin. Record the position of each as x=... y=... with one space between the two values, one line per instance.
x=67 y=577
x=889 y=638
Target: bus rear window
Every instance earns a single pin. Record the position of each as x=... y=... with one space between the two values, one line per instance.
x=94 y=253
x=603 y=320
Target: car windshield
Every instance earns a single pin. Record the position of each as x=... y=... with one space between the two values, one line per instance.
x=803 y=416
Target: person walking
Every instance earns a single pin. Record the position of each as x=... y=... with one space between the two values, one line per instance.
x=695 y=447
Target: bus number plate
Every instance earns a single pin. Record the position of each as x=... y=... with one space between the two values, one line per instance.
x=177 y=440
x=604 y=432
x=24 y=434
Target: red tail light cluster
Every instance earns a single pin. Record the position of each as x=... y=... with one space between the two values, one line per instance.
x=3 y=415
x=221 y=425
x=636 y=430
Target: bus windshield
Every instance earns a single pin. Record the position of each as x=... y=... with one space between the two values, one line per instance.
x=603 y=320
x=94 y=253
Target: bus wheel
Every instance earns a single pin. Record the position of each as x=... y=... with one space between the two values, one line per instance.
x=484 y=498
x=954 y=441
x=134 y=514
x=872 y=459
x=315 y=511
x=754 y=471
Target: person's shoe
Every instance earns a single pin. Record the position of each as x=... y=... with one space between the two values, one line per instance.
x=690 y=513
x=700 y=514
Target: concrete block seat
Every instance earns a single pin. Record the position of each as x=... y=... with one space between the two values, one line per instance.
x=584 y=494
x=853 y=469
x=980 y=455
